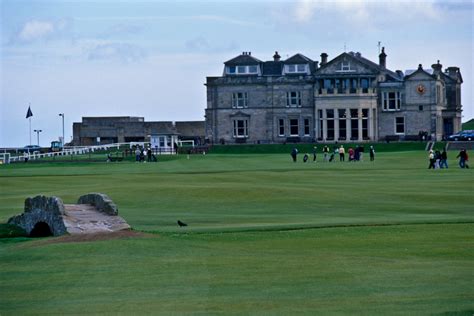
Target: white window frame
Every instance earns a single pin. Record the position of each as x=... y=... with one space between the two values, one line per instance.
x=297 y=125
x=296 y=68
x=242 y=70
x=293 y=101
x=386 y=100
x=397 y=124
x=239 y=100
x=240 y=131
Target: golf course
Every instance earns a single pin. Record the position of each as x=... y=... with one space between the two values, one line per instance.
x=264 y=236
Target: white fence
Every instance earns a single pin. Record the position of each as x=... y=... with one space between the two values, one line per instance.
x=76 y=150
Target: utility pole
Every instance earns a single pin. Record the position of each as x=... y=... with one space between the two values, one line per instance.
x=62 y=141
x=38 y=131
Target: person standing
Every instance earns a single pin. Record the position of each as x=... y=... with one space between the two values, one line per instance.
x=463 y=158
x=431 y=157
x=444 y=160
x=314 y=153
x=294 y=154
x=325 y=153
x=137 y=154
x=372 y=153
x=342 y=153
x=361 y=152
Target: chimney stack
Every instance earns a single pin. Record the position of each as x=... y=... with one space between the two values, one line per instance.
x=324 y=59
x=437 y=68
x=276 y=57
x=383 y=59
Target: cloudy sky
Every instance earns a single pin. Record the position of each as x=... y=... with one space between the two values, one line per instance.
x=151 y=58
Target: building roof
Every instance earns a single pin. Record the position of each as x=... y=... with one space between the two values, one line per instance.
x=272 y=68
x=298 y=59
x=245 y=59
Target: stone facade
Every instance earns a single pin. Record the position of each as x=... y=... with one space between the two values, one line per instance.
x=125 y=129
x=349 y=98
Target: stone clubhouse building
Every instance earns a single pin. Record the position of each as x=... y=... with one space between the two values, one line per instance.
x=346 y=99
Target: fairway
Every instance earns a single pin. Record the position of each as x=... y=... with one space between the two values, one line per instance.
x=265 y=235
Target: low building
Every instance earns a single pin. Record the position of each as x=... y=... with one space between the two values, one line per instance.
x=125 y=129
x=348 y=98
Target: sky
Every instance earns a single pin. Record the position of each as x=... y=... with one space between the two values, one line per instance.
x=151 y=58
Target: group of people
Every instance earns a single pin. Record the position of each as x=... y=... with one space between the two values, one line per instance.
x=141 y=153
x=439 y=160
x=355 y=154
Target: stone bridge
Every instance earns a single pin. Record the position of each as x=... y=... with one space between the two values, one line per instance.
x=49 y=216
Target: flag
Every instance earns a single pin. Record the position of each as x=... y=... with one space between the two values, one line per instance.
x=29 y=113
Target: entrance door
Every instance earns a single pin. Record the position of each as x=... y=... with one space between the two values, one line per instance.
x=448 y=126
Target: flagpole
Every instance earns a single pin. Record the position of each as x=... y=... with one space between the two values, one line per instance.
x=30 y=128
x=29 y=118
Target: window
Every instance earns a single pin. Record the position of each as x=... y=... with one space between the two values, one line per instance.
x=296 y=68
x=364 y=83
x=342 y=124
x=242 y=70
x=345 y=66
x=293 y=99
x=420 y=107
x=294 y=127
x=391 y=101
x=281 y=127
x=239 y=100
x=400 y=125
x=365 y=123
x=241 y=128
x=252 y=69
x=330 y=124
x=306 y=127
x=354 y=124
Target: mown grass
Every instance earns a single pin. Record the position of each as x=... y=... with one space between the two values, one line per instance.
x=265 y=235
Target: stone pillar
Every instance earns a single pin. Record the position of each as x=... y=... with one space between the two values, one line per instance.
x=370 y=125
x=325 y=126
x=336 y=124
x=348 y=125
x=359 y=116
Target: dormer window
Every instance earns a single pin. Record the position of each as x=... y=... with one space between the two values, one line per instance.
x=242 y=70
x=296 y=68
x=345 y=67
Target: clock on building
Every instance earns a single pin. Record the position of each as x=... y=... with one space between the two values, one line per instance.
x=420 y=89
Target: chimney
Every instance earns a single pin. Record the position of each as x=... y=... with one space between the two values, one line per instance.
x=276 y=57
x=420 y=67
x=452 y=71
x=382 y=58
x=358 y=55
x=399 y=73
x=436 y=68
x=324 y=59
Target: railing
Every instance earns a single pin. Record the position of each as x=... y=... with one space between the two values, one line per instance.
x=81 y=150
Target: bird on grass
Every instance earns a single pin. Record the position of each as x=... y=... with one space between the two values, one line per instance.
x=182 y=224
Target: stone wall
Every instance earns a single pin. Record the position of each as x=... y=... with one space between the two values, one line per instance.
x=41 y=209
x=101 y=201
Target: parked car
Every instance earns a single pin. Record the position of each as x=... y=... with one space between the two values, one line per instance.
x=467 y=135
x=32 y=148
x=462 y=135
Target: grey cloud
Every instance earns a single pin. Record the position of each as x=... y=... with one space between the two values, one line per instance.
x=35 y=30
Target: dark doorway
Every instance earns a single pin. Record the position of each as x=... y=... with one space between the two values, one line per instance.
x=448 y=126
x=41 y=229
